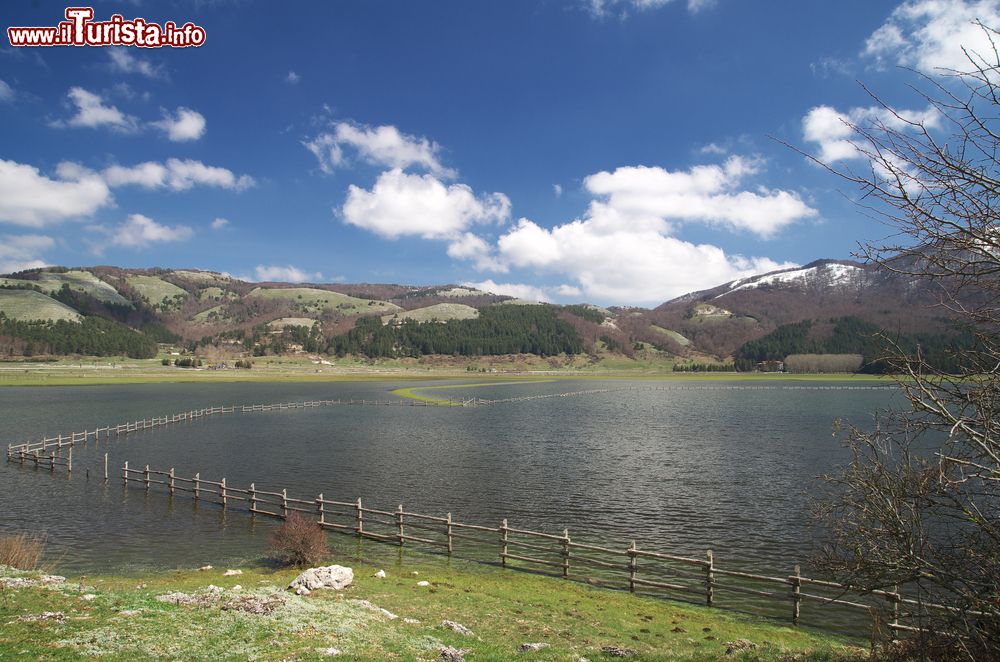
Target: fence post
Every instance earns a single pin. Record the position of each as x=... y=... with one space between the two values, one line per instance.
x=632 y=566
x=565 y=553
x=359 y=529
x=105 y=467
x=399 y=524
x=284 y=503
x=503 y=543
x=320 y=511
x=252 y=493
x=450 y=545
x=52 y=460
x=69 y=465
x=222 y=492
x=796 y=595
x=125 y=474
x=146 y=477
x=709 y=578
x=197 y=486
x=170 y=484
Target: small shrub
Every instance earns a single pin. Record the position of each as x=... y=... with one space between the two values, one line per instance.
x=21 y=550
x=299 y=542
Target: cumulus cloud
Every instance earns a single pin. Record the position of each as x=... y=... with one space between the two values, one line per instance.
x=123 y=60
x=29 y=198
x=557 y=190
x=292 y=78
x=652 y=198
x=929 y=35
x=624 y=248
x=831 y=130
x=381 y=145
x=516 y=290
x=404 y=204
x=6 y=92
x=475 y=249
x=92 y=112
x=284 y=274
x=175 y=174
x=184 y=125
x=625 y=263
x=138 y=231
x=20 y=252
x=220 y=223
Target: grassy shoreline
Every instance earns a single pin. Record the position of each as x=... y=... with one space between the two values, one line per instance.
x=119 y=617
x=129 y=371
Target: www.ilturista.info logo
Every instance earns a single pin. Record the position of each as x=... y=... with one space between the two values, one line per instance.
x=80 y=29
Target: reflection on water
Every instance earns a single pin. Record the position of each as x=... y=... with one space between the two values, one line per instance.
x=678 y=470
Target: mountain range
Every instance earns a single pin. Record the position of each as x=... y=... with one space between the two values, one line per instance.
x=191 y=307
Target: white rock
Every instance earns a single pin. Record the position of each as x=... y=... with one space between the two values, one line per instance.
x=236 y=588
x=205 y=567
x=331 y=576
x=329 y=652
x=230 y=573
x=411 y=621
x=380 y=574
x=457 y=627
x=302 y=590
x=423 y=583
x=51 y=579
x=87 y=597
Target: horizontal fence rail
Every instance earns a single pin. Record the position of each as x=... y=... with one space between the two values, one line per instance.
x=637 y=570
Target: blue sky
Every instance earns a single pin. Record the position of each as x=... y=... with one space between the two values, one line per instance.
x=616 y=152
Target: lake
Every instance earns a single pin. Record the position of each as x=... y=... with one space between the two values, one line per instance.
x=682 y=469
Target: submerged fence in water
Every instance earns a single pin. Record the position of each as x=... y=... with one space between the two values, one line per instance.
x=638 y=570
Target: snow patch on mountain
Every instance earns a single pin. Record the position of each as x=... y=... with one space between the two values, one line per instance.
x=830 y=274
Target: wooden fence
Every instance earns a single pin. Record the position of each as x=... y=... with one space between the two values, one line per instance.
x=37 y=451
x=638 y=570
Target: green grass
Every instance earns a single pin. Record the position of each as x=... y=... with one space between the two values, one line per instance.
x=673 y=335
x=438 y=312
x=123 y=620
x=314 y=300
x=155 y=289
x=292 y=321
x=28 y=305
x=81 y=281
x=214 y=293
x=213 y=315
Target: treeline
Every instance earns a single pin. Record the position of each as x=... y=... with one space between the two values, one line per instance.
x=851 y=335
x=497 y=330
x=93 y=336
x=704 y=367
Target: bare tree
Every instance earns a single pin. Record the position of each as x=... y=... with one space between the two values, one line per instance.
x=919 y=505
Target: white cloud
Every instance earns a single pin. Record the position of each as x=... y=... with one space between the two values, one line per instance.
x=92 y=113
x=29 y=198
x=403 y=204
x=139 y=231
x=284 y=274
x=475 y=249
x=220 y=223
x=516 y=290
x=557 y=189
x=833 y=134
x=20 y=252
x=175 y=174
x=292 y=78
x=382 y=145
x=123 y=60
x=624 y=264
x=184 y=125
x=6 y=92
x=929 y=35
x=713 y=148
x=624 y=250
x=651 y=198
x=622 y=8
